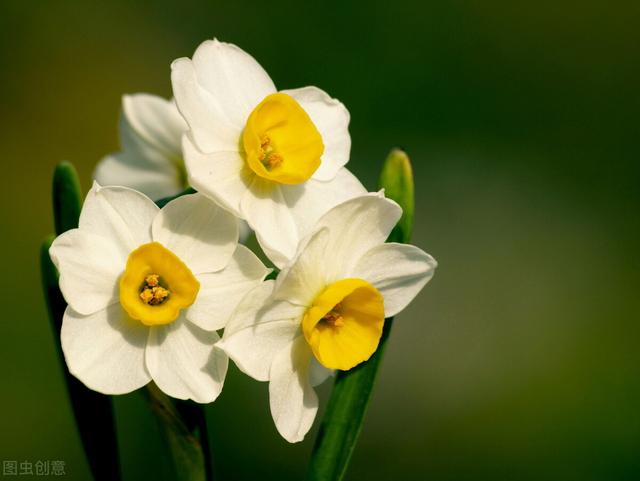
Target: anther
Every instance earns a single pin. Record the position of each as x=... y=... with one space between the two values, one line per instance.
x=152 y=292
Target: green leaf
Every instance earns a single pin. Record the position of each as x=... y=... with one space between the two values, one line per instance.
x=67 y=197
x=352 y=389
x=93 y=411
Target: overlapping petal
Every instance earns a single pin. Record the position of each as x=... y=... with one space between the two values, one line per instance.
x=293 y=402
x=211 y=129
x=154 y=121
x=398 y=271
x=151 y=162
x=222 y=175
x=220 y=292
x=264 y=208
x=331 y=118
x=182 y=362
x=203 y=235
x=305 y=278
x=157 y=180
x=353 y=227
x=309 y=201
x=105 y=350
x=120 y=214
x=259 y=330
x=234 y=77
x=89 y=267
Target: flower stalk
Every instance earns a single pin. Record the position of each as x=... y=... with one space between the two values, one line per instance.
x=185 y=431
x=344 y=417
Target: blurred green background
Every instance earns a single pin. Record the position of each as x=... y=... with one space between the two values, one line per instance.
x=520 y=361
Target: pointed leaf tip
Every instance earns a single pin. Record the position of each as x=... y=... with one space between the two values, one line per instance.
x=67 y=197
x=397 y=180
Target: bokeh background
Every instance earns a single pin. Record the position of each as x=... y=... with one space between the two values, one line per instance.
x=520 y=361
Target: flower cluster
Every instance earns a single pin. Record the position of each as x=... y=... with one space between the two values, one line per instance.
x=149 y=289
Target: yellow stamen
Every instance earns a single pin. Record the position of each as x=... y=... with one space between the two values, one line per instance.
x=334 y=317
x=152 y=292
x=146 y=295
x=281 y=142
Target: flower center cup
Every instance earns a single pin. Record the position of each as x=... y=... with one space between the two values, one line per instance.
x=156 y=285
x=281 y=142
x=344 y=324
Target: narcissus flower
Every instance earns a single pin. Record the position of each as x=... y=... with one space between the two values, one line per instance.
x=147 y=289
x=151 y=160
x=273 y=158
x=327 y=309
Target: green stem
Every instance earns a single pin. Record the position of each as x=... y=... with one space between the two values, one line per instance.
x=184 y=428
x=344 y=417
x=343 y=420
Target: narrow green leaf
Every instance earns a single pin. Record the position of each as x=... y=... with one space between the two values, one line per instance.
x=93 y=412
x=352 y=389
x=67 y=197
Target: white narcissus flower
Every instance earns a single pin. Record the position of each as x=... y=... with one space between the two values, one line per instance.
x=147 y=288
x=327 y=309
x=151 y=160
x=273 y=158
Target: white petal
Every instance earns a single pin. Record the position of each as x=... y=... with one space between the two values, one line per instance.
x=119 y=214
x=233 y=77
x=264 y=208
x=105 y=350
x=89 y=267
x=355 y=226
x=318 y=373
x=398 y=271
x=151 y=129
x=203 y=235
x=156 y=121
x=183 y=362
x=309 y=201
x=130 y=170
x=305 y=279
x=212 y=130
x=258 y=330
x=222 y=176
x=331 y=118
x=220 y=292
x=293 y=401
